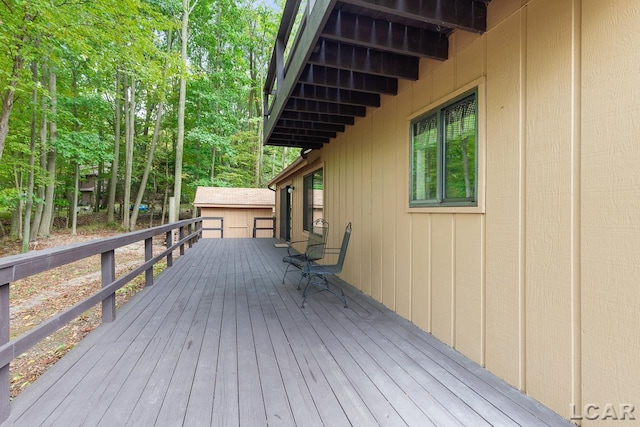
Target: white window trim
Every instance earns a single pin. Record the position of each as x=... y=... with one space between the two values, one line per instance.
x=480 y=84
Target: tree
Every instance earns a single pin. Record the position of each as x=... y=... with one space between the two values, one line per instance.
x=154 y=141
x=193 y=118
x=187 y=8
x=26 y=234
x=113 y=180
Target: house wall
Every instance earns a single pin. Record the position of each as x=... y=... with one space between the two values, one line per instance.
x=238 y=222
x=541 y=286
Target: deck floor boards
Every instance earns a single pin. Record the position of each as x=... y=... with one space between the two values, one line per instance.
x=219 y=340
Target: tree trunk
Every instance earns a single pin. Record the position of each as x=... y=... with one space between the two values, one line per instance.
x=16 y=222
x=153 y=200
x=177 y=183
x=213 y=163
x=145 y=175
x=43 y=156
x=113 y=181
x=154 y=142
x=254 y=113
x=130 y=108
x=7 y=99
x=69 y=216
x=74 y=204
x=47 y=217
x=98 y=188
x=16 y=215
x=32 y=161
x=147 y=119
x=76 y=178
x=465 y=165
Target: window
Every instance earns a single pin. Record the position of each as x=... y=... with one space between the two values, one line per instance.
x=312 y=198
x=443 y=155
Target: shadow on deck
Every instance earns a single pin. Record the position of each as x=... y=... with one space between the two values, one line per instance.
x=218 y=340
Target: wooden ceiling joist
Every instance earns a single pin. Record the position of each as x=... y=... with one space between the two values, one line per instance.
x=318 y=118
x=343 y=79
x=304 y=105
x=468 y=15
x=297 y=124
x=339 y=96
x=297 y=144
x=289 y=137
x=385 y=36
x=364 y=60
x=304 y=132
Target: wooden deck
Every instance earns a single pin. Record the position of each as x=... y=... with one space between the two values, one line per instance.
x=219 y=341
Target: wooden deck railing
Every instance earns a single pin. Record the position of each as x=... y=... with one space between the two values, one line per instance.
x=20 y=266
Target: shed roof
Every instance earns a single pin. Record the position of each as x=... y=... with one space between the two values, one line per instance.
x=240 y=197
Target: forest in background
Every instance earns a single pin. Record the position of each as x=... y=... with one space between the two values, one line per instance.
x=146 y=98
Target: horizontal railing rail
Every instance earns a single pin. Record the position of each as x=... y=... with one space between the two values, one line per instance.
x=18 y=267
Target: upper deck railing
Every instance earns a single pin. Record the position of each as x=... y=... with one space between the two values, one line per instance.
x=294 y=13
x=20 y=266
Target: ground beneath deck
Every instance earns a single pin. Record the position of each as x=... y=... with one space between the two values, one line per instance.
x=220 y=341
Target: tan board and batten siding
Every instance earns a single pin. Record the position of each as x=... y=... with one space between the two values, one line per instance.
x=541 y=284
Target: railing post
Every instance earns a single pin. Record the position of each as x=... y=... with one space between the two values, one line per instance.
x=5 y=382
x=280 y=48
x=180 y=237
x=189 y=229
x=169 y=240
x=148 y=254
x=108 y=267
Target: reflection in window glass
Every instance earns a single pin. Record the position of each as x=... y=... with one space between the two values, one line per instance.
x=425 y=158
x=312 y=199
x=460 y=149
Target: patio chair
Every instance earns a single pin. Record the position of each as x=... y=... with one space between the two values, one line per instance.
x=320 y=272
x=316 y=245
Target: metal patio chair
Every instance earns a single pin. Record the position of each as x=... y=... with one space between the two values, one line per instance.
x=320 y=272
x=316 y=245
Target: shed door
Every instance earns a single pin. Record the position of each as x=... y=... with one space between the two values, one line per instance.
x=237 y=223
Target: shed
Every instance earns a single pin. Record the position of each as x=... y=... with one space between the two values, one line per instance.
x=237 y=208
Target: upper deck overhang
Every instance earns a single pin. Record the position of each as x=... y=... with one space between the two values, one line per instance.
x=347 y=54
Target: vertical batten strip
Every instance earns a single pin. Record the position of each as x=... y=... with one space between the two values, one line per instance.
x=482 y=109
x=522 y=214
x=576 y=204
x=430 y=277
x=453 y=280
x=483 y=290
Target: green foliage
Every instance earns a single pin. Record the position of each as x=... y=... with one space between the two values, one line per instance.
x=84 y=148
x=9 y=197
x=86 y=42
